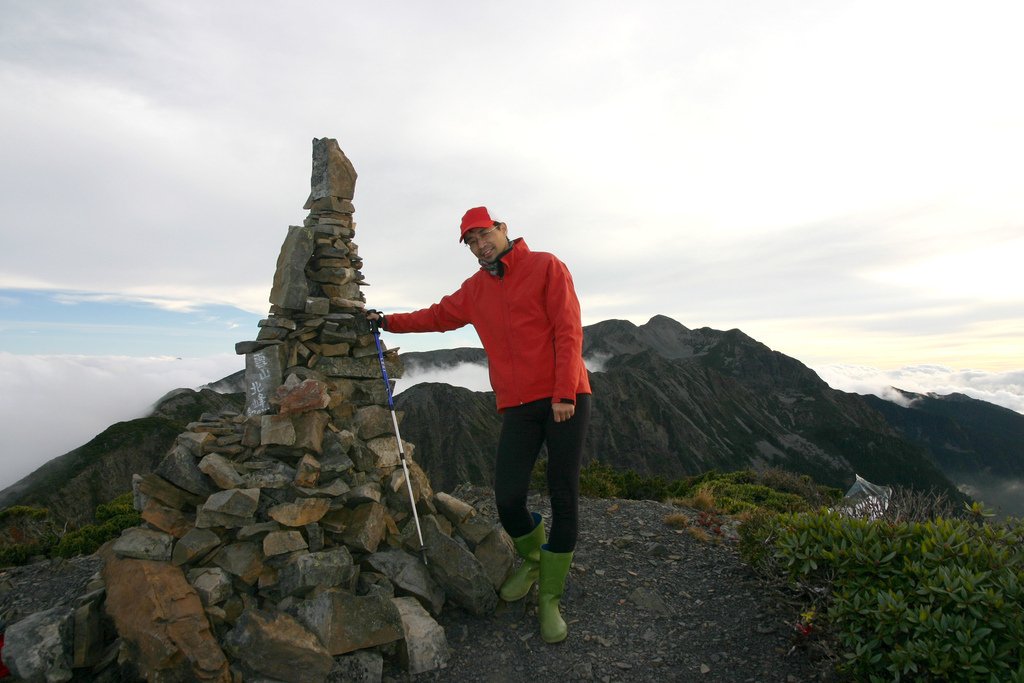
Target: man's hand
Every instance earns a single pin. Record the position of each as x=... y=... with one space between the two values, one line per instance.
x=563 y=411
x=375 y=317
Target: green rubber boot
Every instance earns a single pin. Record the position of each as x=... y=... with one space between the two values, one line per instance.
x=554 y=567
x=518 y=585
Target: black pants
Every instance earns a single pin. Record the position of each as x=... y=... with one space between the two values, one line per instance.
x=524 y=429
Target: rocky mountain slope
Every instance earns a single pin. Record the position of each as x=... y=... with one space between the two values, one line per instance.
x=672 y=401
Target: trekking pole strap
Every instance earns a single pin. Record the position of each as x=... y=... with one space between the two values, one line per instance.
x=383 y=369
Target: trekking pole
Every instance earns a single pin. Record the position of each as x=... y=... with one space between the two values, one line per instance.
x=398 y=437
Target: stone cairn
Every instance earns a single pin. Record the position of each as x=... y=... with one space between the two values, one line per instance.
x=279 y=544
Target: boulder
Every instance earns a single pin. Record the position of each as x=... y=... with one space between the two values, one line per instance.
x=385 y=450
x=276 y=646
x=180 y=469
x=242 y=559
x=39 y=647
x=144 y=544
x=309 y=430
x=222 y=471
x=155 y=486
x=301 y=397
x=345 y=622
x=291 y=288
x=161 y=619
x=365 y=527
x=455 y=510
x=87 y=647
x=230 y=509
x=424 y=646
x=194 y=545
x=457 y=570
x=373 y=421
x=300 y=512
x=167 y=519
x=497 y=555
x=212 y=584
x=307 y=473
x=333 y=174
x=277 y=430
x=282 y=542
x=323 y=569
x=409 y=576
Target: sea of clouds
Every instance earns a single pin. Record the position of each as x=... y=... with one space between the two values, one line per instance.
x=1002 y=388
x=53 y=404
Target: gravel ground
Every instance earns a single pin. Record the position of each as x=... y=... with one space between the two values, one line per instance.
x=644 y=602
x=43 y=585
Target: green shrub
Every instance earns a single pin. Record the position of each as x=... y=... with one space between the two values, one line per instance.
x=733 y=492
x=757 y=541
x=120 y=506
x=89 y=538
x=28 y=532
x=600 y=481
x=746 y=490
x=112 y=518
x=16 y=511
x=936 y=600
x=17 y=555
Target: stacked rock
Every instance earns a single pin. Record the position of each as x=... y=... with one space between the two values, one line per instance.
x=280 y=543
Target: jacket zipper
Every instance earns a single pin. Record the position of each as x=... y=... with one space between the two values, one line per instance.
x=507 y=309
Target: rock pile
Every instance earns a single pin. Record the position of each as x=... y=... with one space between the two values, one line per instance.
x=280 y=543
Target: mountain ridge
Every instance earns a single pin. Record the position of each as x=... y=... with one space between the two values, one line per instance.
x=669 y=401
x=675 y=402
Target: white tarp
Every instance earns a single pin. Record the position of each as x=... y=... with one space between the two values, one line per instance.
x=865 y=499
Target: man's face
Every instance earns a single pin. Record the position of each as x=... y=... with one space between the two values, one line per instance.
x=487 y=243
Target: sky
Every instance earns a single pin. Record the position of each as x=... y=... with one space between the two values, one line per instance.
x=841 y=180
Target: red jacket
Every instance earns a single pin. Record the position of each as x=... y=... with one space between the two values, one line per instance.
x=528 y=321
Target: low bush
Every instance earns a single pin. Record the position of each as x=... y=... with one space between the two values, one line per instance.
x=111 y=519
x=27 y=532
x=939 y=600
x=747 y=491
x=17 y=555
x=23 y=511
x=731 y=493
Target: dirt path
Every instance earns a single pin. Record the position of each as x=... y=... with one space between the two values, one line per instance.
x=644 y=602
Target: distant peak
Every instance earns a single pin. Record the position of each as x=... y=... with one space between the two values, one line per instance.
x=663 y=321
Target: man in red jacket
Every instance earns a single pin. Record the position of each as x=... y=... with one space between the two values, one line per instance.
x=524 y=307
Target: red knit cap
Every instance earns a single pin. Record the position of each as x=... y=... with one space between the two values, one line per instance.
x=475 y=218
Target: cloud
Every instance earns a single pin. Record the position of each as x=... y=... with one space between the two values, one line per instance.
x=467 y=375
x=53 y=404
x=1001 y=388
x=48 y=322
x=471 y=375
x=174 y=305
x=1004 y=496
